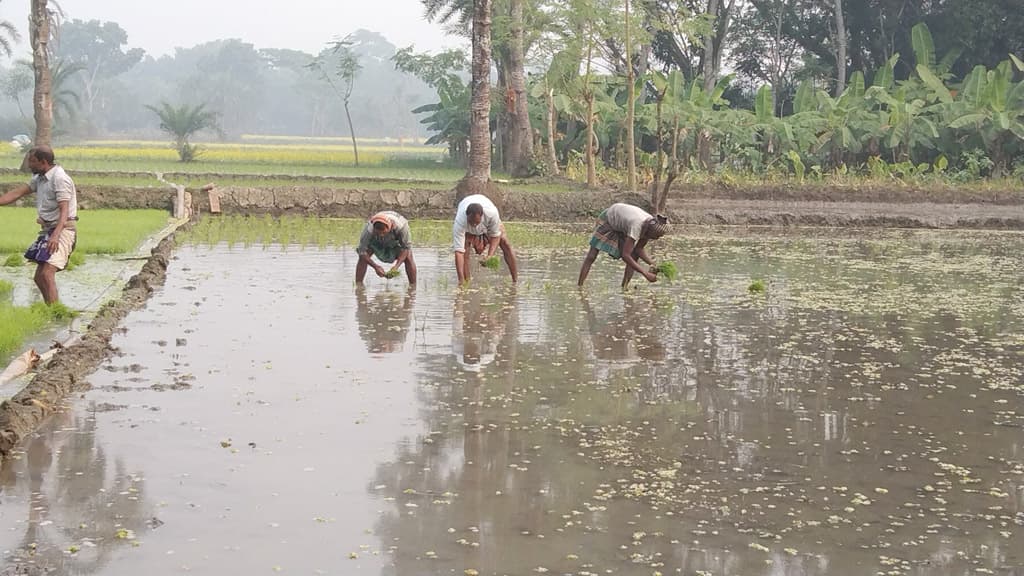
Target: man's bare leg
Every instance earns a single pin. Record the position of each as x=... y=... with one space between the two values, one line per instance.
x=410 y=269
x=510 y=258
x=361 y=267
x=588 y=261
x=46 y=281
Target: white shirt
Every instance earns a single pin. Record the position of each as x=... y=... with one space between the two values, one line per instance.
x=51 y=188
x=490 y=225
x=627 y=219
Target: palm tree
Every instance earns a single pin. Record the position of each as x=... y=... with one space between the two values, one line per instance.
x=479 y=172
x=8 y=37
x=458 y=16
x=65 y=101
x=42 y=21
x=182 y=123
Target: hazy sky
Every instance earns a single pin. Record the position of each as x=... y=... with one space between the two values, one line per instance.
x=158 y=26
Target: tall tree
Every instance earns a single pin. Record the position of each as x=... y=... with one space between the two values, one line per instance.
x=840 y=33
x=509 y=49
x=479 y=171
x=99 y=48
x=346 y=68
x=40 y=21
x=229 y=76
x=763 y=51
x=630 y=110
x=521 y=137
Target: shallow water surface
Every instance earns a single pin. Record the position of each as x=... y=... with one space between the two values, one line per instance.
x=263 y=415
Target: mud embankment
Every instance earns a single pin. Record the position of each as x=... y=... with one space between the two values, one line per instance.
x=68 y=371
x=768 y=204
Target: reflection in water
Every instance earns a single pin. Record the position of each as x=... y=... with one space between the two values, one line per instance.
x=643 y=433
x=624 y=337
x=385 y=318
x=80 y=511
x=480 y=321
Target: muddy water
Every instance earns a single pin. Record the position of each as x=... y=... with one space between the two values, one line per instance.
x=861 y=416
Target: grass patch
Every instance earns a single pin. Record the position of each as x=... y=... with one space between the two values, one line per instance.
x=337 y=232
x=19 y=322
x=99 y=231
x=15 y=260
x=75 y=260
x=5 y=288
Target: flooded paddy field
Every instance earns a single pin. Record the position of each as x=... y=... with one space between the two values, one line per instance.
x=262 y=415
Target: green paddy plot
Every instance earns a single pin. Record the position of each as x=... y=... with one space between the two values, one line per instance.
x=104 y=236
x=19 y=322
x=99 y=231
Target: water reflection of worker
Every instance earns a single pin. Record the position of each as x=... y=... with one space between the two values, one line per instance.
x=479 y=326
x=387 y=237
x=384 y=320
x=622 y=339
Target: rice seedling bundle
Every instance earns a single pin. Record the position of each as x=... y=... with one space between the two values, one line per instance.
x=667 y=269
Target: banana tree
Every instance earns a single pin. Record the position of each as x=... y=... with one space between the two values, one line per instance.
x=774 y=136
x=449 y=120
x=687 y=121
x=991 y=104
x=842 y=122
x=556 y=83
x=908 y=126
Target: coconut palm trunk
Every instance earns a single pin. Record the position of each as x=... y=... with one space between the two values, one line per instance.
x=521 y=142
x=479 y=172
x=42 y=98
x=630 y=105
x=840 y=48
x=551 y=122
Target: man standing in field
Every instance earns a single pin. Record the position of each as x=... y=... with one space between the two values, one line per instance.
x=57 y=208
x=623 y=230
x=478 y=225
x=387 y=237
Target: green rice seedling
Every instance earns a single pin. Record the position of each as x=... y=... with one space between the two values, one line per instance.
x=667 y=269
x=14 y=260
x=5 y=288
x=392 y=273
x=17 y=323
x=494 y=262
x=757 y=287
x=76 y=260
x=56 y=311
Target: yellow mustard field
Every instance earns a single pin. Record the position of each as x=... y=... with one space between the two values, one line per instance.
x=247 y=153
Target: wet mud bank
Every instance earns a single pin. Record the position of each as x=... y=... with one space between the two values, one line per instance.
x=862 y=214
x=69 y=369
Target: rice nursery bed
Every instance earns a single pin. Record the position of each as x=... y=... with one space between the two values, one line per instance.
x=105 y=237
x=859 y=414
